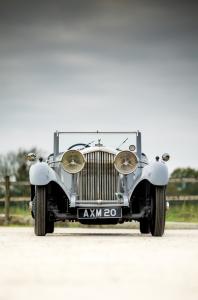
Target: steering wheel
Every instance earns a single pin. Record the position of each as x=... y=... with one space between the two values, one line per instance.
x=79 y=144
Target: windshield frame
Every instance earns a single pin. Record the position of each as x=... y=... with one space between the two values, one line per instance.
x=137 y=133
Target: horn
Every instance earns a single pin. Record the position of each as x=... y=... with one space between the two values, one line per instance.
x=165 y=157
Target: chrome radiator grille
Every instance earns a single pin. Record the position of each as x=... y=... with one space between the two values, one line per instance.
x=98 y=179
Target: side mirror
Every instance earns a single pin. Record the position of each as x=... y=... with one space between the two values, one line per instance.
x=31 y=156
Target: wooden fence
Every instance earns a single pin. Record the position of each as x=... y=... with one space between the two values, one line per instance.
x=7 y=199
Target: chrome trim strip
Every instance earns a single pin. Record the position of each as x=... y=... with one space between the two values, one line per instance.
x=99 y=205
x=100 y=202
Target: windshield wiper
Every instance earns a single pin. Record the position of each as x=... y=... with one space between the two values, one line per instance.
x=118 y=148
x=87 y=145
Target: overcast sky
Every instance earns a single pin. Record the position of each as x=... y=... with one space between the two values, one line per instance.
x=107 y=65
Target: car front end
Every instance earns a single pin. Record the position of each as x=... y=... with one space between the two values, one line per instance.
x=96 y=184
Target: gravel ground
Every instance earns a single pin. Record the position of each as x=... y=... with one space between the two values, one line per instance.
x=87 y=263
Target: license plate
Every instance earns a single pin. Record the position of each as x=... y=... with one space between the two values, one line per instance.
x=99 y=213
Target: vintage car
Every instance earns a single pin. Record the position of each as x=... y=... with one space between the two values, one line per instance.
x=95 y=183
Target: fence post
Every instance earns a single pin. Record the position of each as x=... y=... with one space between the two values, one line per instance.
x=7 y=199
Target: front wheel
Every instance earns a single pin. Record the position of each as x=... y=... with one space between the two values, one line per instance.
x=50 y=227
x=158 y=208
x=144 y=226
x=40 y=225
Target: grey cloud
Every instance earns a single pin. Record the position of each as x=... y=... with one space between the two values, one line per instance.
x=98 y=64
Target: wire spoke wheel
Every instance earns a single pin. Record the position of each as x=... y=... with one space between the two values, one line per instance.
x=158 y=208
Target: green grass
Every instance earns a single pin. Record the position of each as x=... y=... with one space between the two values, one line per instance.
x=21 y=210
x=184 y=212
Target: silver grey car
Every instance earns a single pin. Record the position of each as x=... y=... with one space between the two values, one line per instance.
x=98 y=182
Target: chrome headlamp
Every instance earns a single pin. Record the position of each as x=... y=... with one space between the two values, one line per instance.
x=125 y=162
x=73 y=161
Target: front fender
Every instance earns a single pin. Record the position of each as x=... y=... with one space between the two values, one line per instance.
x=41 y=174
x=156 y=173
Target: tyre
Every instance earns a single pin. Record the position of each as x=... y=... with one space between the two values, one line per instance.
x=158 y=210
x=144 y=226
x=40 y=227
x=50 y=227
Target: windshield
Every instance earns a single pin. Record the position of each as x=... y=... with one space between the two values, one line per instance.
x=119 y=140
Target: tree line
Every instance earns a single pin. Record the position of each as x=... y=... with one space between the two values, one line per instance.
x=15 y=165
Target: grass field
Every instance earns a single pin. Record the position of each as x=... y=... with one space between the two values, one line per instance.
x=20 y=208
x=184 y=212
